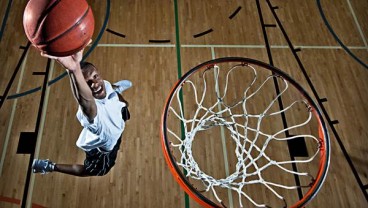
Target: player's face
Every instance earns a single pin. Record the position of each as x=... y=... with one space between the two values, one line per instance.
x=95 y=83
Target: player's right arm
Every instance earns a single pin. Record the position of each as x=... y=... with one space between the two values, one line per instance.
x=80 y=88
x=82 y=93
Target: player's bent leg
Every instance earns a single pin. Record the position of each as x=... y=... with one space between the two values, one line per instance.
x=46 y=166
x=74 y=169
x=97 y=163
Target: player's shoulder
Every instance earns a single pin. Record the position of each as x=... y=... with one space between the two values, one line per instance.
x=107 y=82
x=108 y=86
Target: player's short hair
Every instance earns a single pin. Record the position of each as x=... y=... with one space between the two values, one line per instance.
x=86 y=65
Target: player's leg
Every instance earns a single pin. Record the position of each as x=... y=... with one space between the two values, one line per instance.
x=47 y=166
x=75 y=169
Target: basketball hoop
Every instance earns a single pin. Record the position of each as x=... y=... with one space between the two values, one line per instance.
x=225 y=131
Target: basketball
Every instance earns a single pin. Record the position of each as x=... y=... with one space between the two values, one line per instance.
x=58 y=27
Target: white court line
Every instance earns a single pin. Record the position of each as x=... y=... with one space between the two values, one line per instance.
x=225 y=46
x=11 y=119
x=272 y=46
x=332 y=47
x=39 y=136
x=137 y=45
x=357 y=24
x=224 y=148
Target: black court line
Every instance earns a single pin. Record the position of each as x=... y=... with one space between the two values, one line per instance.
x=38 y=73
x=336 y=37
x=297 y=147
x=338 y=139
x=115 y=33
x=159 y=41
x=269 y=25
x=334 y=122
x=235 y=12
x=27 y=143
x=10 y=83
x=203 y=33
x=322 y=100
x=5 y=19
x=35 y=134
x=279 y=99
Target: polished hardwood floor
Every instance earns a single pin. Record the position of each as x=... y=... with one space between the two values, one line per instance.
x=142 y=41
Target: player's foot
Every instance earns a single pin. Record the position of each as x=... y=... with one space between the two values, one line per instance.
x=42 y=166
x=122 y=85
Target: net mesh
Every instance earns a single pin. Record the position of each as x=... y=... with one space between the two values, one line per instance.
x=251 y=141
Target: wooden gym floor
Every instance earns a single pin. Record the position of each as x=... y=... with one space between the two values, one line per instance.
x=142 y=42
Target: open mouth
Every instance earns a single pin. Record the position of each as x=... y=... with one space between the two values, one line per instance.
x=97 y=91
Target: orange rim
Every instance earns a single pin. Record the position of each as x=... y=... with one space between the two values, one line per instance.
x=322 y=131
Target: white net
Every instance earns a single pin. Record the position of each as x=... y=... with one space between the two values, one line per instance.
x=242 y=116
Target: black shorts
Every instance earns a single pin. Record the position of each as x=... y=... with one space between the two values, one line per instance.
x=99 y=163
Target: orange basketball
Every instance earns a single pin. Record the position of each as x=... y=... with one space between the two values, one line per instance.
x=58 y=27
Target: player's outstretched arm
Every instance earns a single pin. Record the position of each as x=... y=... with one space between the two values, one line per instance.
x=80 y=89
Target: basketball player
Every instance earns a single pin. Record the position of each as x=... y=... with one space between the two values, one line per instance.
x=102 y=113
